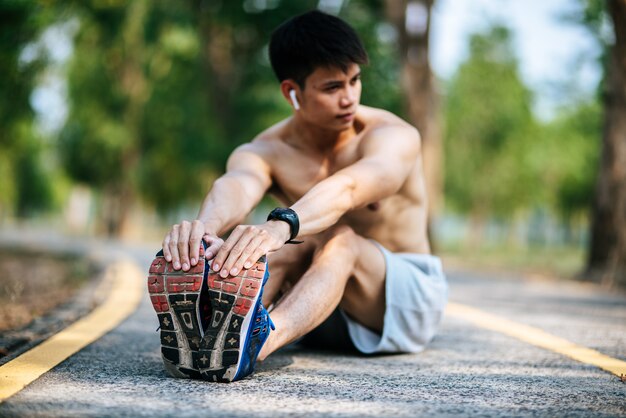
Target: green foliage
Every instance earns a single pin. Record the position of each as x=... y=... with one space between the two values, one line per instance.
x=499 y=159
x=569 y=158
x=381 y=86
x=8 y=187
x=594 y=17
x=181 y=143
x=571 y=142
x=24 y=182
x=489 y=130
x=33 y=180
x=16 y=30
x=138 y=118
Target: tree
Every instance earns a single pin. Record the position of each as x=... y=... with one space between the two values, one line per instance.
x=566 y=155
x=139 y=124
x=411 y=19
x=490 y=132
x=24 y=182
x=607 y=254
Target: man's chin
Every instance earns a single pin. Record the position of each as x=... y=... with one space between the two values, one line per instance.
x=335 y=124
x=346 y=126
x=342 y=124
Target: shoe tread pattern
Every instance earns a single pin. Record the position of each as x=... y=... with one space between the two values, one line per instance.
x=232 y=300
x=175 y=296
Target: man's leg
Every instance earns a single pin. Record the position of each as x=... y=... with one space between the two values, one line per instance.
x=346 y=270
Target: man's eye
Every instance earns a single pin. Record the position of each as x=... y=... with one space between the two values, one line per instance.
x=332 y=88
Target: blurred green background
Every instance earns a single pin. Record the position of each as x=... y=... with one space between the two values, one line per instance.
x=152 y=96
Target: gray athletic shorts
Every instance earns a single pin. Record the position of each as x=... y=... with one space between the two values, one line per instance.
x=416 y=295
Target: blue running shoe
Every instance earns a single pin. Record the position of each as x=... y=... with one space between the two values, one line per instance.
x=257 y=336
x=238 y=327
x=211 y=328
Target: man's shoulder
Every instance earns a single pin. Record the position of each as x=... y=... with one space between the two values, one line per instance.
x=378 y=120
x=266 y=141
x=384 y=124
x=380 y=116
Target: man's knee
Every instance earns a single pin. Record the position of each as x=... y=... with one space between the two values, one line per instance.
x=339 y=240
x=340 y=233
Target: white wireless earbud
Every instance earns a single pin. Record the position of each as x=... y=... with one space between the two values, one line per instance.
x=292 y=94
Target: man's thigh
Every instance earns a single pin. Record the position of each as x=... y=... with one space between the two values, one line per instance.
x=364 y=295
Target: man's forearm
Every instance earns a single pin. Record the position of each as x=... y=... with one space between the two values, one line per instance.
x=226 y=205
x=344 y=191
x=325 y=204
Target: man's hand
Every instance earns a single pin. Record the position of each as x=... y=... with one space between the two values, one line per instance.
x=181 y=246
x=247 y=243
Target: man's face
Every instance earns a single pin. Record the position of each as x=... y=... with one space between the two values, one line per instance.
x=331 y=97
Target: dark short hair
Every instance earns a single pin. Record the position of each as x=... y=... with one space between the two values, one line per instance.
x=311 y=40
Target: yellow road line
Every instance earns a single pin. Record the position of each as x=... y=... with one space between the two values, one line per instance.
x=537 y=337
x=124 y=297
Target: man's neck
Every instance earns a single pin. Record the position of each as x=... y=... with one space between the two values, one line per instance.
x=318 y=139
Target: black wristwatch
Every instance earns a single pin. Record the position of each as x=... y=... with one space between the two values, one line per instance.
x=291 y=217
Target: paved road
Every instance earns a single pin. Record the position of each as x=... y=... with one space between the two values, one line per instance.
x=465 y=371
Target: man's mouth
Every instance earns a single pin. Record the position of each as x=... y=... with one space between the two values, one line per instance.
x=346 y=116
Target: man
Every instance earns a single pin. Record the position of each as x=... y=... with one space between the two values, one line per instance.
x=351 y=181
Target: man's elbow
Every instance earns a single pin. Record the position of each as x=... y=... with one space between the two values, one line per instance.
x=350 y=194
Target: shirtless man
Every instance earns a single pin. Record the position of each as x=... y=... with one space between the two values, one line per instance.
x=351 y=181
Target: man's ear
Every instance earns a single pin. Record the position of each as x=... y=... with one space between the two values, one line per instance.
x=291 y=92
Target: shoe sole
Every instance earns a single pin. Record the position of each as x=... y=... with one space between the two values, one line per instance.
x=233 y=301
x=174 y=295
x=188 y=351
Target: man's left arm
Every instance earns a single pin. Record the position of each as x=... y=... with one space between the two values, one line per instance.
x=387 y=156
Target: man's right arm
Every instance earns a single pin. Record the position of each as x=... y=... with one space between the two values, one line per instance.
x=231 y=198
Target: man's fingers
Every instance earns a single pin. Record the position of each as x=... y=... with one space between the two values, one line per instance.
x=215 y=244
x=261 y=249
x=224 y=251
x=258 y=253
x=173 y=247
x=235 y=252
x=197 y=230
x=247 y=256
x=183 y=244
x=166 y=249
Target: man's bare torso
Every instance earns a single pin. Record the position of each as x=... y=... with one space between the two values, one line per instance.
x=397 y=222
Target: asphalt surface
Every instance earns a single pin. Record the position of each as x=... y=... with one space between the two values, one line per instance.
x=465 y=371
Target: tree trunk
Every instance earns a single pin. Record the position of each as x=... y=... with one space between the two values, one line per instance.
x=411 y=19
x=136 y=88
x=607 y=255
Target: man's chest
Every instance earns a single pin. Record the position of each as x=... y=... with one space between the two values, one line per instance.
x=295 y=175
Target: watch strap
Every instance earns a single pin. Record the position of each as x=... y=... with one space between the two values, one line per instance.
x=291 y=217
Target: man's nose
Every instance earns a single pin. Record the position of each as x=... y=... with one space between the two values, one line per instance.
x=348 y=98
